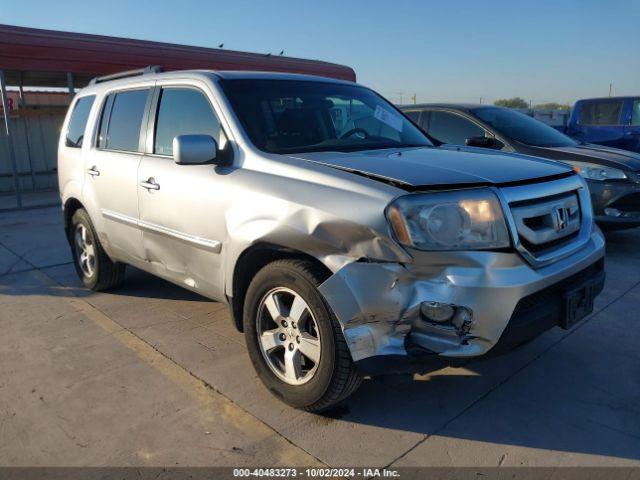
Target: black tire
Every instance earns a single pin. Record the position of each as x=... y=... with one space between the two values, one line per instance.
x=336 y=377
x=106 y=274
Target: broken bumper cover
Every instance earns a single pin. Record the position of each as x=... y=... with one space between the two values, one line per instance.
x=378 y=304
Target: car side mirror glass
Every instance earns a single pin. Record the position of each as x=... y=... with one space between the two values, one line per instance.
x=194 y=149
x=482 y=142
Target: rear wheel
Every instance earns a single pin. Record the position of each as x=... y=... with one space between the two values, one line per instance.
x=94 y=267
x=294 y=340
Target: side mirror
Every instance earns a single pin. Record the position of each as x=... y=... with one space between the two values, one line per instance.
x=482 y=142
x=194 y=149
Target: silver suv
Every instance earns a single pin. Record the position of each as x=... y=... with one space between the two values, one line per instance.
x=342 y=240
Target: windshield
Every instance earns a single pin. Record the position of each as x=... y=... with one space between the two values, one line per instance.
x=522 y=128
x=292 y=116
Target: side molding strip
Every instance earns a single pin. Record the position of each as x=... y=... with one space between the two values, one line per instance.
x=212 y=245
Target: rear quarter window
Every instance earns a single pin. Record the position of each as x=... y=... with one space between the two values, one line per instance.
x=78 y=121
x=601 y=113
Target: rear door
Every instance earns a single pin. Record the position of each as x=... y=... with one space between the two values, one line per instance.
x=111 y=186
x=600 y=121
x=632 y=130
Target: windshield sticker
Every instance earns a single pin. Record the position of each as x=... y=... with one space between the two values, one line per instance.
x=391 y=119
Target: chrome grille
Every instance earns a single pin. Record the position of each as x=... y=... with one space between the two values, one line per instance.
x=545 y=222
x=548 y=220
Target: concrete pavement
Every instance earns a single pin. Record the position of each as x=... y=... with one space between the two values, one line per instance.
x=151 y=374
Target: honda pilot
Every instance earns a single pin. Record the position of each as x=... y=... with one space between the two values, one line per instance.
x=343 y=241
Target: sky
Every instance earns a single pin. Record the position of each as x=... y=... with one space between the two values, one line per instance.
x=462 y=51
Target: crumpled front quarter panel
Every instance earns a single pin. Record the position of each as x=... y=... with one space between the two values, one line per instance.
x=330 y=217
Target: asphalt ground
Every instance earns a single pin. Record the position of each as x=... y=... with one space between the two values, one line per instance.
x=152 y=374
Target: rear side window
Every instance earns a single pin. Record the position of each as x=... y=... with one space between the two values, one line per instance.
x=601 y=113
x=451 y=128
x=122 y=120
x=78 y=121
x=183 y=111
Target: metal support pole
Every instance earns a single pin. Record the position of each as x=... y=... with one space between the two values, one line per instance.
x=23 y=101
x=7 y=125
x=72 y=91
x=25 y=124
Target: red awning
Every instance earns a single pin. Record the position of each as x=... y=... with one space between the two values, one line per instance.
x=45 y=57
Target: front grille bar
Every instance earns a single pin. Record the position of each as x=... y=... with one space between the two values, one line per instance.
x=547 y=220
x=536 y=194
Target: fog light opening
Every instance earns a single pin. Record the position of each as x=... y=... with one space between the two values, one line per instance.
x=436 y=311
x=445 y=314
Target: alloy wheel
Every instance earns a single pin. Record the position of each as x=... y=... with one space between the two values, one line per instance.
x=288 y=335
x=85 y=250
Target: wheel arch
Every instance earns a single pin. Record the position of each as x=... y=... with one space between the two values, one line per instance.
x=71 y=206
x=250 y=262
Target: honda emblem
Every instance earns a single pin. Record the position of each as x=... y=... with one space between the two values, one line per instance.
x=560 y=218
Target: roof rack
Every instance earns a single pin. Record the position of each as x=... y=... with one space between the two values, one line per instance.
x=129 y=73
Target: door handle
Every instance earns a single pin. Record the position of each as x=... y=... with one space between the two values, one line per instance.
x=93 y=171
x=150 y=184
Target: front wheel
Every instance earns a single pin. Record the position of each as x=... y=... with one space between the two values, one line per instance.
x=294 y=340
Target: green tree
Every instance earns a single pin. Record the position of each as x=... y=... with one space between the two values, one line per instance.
x=515 y=102
x=552 y=106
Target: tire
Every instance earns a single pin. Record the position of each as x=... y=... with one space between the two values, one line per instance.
x=96 y=270
x=325 y=382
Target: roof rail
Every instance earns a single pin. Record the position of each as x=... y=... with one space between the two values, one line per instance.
x=129 y=73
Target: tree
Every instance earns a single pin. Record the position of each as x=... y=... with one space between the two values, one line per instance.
x=515 y=102
x=552 y=106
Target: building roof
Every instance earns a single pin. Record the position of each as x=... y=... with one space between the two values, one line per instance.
x=45 y=57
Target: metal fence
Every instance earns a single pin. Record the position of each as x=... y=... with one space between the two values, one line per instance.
x=35 y=133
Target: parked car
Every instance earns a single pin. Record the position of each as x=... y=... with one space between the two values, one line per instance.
x=611 y=121
x=342 y=240
x=613 y=175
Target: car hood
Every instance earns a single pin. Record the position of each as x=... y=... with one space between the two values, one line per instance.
x=613 y=157
x=419 y=167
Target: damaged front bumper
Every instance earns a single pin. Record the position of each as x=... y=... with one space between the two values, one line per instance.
x=378 y=304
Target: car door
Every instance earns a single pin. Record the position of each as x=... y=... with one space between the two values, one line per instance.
x=632 y=130
x=451 y=128
x=599 y=121
x=112 y=171
x=180 y=205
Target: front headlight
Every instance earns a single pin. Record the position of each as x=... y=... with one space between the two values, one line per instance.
x=593 y=171
x=456 y=220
